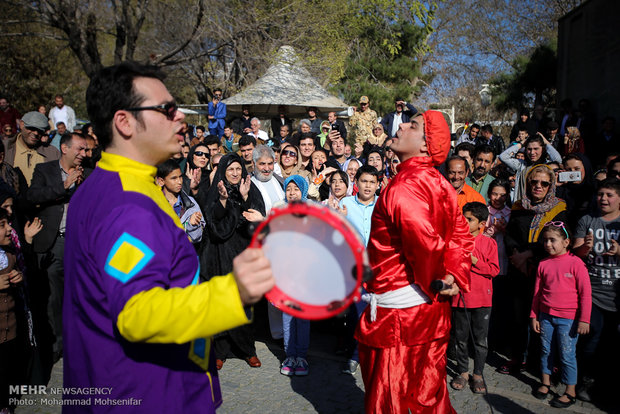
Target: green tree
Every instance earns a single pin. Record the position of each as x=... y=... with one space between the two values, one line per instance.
x=531 y=82
x=384 y=62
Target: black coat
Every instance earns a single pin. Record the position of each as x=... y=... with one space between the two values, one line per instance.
x=276 y=123
x=48 y=193
x=227 y=232
x=517 y=234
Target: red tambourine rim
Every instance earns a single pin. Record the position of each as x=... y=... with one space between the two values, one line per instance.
x=293 y=306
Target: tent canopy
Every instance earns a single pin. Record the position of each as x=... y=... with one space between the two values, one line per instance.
x=287 y=83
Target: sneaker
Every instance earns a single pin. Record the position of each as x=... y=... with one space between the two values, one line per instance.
x=288 y=367
x=350 y=367
x=301 y=368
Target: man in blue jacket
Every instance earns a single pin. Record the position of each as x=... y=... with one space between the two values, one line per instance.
x=217 y=114
x=392 y=120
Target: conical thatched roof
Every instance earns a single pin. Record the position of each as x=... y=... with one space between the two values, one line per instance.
x=288 y=83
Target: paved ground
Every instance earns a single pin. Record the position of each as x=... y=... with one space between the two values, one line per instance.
x=326 y=390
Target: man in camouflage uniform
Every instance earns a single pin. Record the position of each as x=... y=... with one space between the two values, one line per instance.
x=362 y=121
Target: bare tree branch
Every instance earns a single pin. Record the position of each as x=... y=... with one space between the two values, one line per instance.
x=163 y=59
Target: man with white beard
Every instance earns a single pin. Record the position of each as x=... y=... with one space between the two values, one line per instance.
x=270 y=187
x=269 y=183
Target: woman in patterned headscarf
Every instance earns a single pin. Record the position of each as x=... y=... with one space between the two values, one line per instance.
x=529 y=215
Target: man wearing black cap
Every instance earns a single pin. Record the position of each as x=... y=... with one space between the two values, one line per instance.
x=25 y=150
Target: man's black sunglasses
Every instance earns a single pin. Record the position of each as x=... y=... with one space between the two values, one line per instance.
x=169 y=109
x=37 y=130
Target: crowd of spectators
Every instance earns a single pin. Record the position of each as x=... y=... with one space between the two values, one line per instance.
x=231 y=173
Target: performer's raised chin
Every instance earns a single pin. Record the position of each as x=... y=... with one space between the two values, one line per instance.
x=418 y=236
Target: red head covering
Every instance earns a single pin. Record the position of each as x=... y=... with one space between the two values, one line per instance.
x=437 y=134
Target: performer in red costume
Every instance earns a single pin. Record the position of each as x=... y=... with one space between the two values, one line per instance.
x=418 y=235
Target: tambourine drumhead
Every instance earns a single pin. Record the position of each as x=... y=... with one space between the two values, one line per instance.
x=317 y=260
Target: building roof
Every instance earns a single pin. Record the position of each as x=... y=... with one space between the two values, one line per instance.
x=286 y=82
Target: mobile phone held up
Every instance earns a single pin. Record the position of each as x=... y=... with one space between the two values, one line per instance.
x=569 y=176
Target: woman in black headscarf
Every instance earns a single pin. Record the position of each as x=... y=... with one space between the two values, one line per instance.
x=197 y=171
x=229 y=205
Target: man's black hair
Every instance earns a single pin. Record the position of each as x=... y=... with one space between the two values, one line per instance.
x=367 y=169
x=200 y=127
x=484 y=149
x=457 y=158
x=111 y=90
x=211 y=139
x=165 y=168
x=246 y=140
x=523 y=127
x=477 y=209
x=67 y=138
x=487 y=128
x=307 y=135
x=465 y=146
x=474 y=126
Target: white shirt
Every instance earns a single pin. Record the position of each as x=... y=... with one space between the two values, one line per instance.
x=60 y=115
x=398 y=119
x=271 y=191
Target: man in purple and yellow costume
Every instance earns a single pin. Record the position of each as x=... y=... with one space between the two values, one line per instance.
x=136 y=323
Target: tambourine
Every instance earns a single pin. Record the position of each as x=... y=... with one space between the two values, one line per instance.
x=317 y=257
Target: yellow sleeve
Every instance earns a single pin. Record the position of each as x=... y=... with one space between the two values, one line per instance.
x=180 y=315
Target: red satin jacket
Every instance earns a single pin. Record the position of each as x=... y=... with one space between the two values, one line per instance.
x=418 y=235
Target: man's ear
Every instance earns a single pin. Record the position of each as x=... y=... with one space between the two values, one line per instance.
x=124 y=123
x=424 y=147
x=159 y=181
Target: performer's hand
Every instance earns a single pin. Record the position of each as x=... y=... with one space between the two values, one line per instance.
x=535 y=325
x=453 y=290
x=474 y=260
x=253 y=274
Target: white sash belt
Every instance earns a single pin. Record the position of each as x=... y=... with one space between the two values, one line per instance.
x=405 y=297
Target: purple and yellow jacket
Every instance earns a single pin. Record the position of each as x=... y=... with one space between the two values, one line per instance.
x=135 y=318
